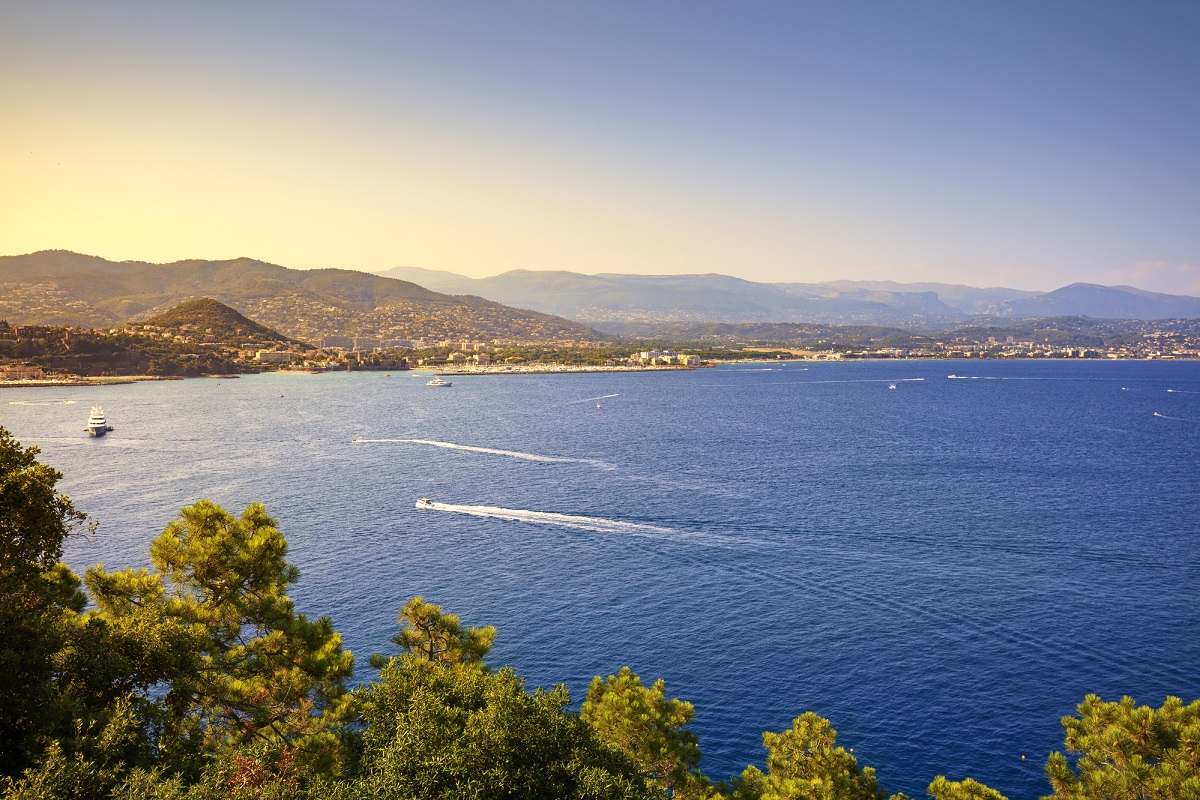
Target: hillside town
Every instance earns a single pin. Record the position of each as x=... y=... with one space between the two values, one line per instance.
x=38 y=353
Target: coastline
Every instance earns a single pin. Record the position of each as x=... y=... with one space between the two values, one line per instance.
x=509 y=369
x=107 y=381
x=543 y=369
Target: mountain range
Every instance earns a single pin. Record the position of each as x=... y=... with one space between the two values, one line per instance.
x=58 y=287
x=643 y=304
x=407 y=303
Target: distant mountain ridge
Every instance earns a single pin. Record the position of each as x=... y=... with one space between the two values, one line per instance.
x=65 y=288
x=640 y=304
x=407 y=303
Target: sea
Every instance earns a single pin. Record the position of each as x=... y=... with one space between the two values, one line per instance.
x=943 y=558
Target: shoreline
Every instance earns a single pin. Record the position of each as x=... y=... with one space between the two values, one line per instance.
x=65 y=382
x=552 y=370
x=548 y=370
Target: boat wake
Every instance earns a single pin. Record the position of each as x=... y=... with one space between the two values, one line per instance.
x=992 y=378
x=592 y=399
x=870 y=380
x=596 y=524
x=42 y=402
x=1181 y=391
x=490 y=451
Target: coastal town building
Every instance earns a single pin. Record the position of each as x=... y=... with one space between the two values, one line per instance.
x=21 y=372
x=664 y=358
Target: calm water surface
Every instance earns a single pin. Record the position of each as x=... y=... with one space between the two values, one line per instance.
x=943 y=569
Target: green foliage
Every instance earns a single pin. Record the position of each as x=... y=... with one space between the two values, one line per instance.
x=966 y=789
x=433 y=636
x=646 y=726
x=450 y=730
x=248 y=669
x=1129 y=751
x=804 y=764
x=38 y=597
x=34 y=519
x=87 y=765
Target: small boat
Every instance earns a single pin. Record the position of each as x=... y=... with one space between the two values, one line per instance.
x=424 y=502
x=891 y=386
x=437 y=381
x=97 y=425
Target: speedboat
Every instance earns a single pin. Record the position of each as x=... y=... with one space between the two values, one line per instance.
x=437 y=381
x=424 y=502
x=97 y=425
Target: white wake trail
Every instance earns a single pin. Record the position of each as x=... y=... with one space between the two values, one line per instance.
x=596 y=524
x=987 y=378
x=592 y=399
x=1176 y=419
x=869 y=380
x=489 y=451
x=42 y=402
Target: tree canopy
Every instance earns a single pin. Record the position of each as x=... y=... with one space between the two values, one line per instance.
x=433 y=636
x=1123 y=750
x=803 y=763
x=646 y=726
x=38 y=596
x=256 y=671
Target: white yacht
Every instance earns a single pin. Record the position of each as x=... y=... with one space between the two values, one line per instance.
x=97 y=425
x=437 y=381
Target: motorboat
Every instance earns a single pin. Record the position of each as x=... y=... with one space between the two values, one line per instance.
x=97 y=425
x=437 y=381
x=424 y=502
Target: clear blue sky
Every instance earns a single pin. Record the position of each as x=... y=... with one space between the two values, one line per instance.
x=1027 y=144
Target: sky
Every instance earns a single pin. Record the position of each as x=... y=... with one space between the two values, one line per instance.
x=1019 y=144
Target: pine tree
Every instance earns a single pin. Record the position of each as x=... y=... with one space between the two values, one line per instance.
x=1128 y=751
x=257 y=672
x=641 y=722
x=804 y=764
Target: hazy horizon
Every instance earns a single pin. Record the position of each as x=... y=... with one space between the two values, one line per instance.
x=382 y=270
x=1021 y=146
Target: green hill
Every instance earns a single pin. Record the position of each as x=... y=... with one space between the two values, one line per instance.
x=64 y=288
x=214 y=318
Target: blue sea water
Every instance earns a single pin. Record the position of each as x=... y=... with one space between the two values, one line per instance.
x=943 y=569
